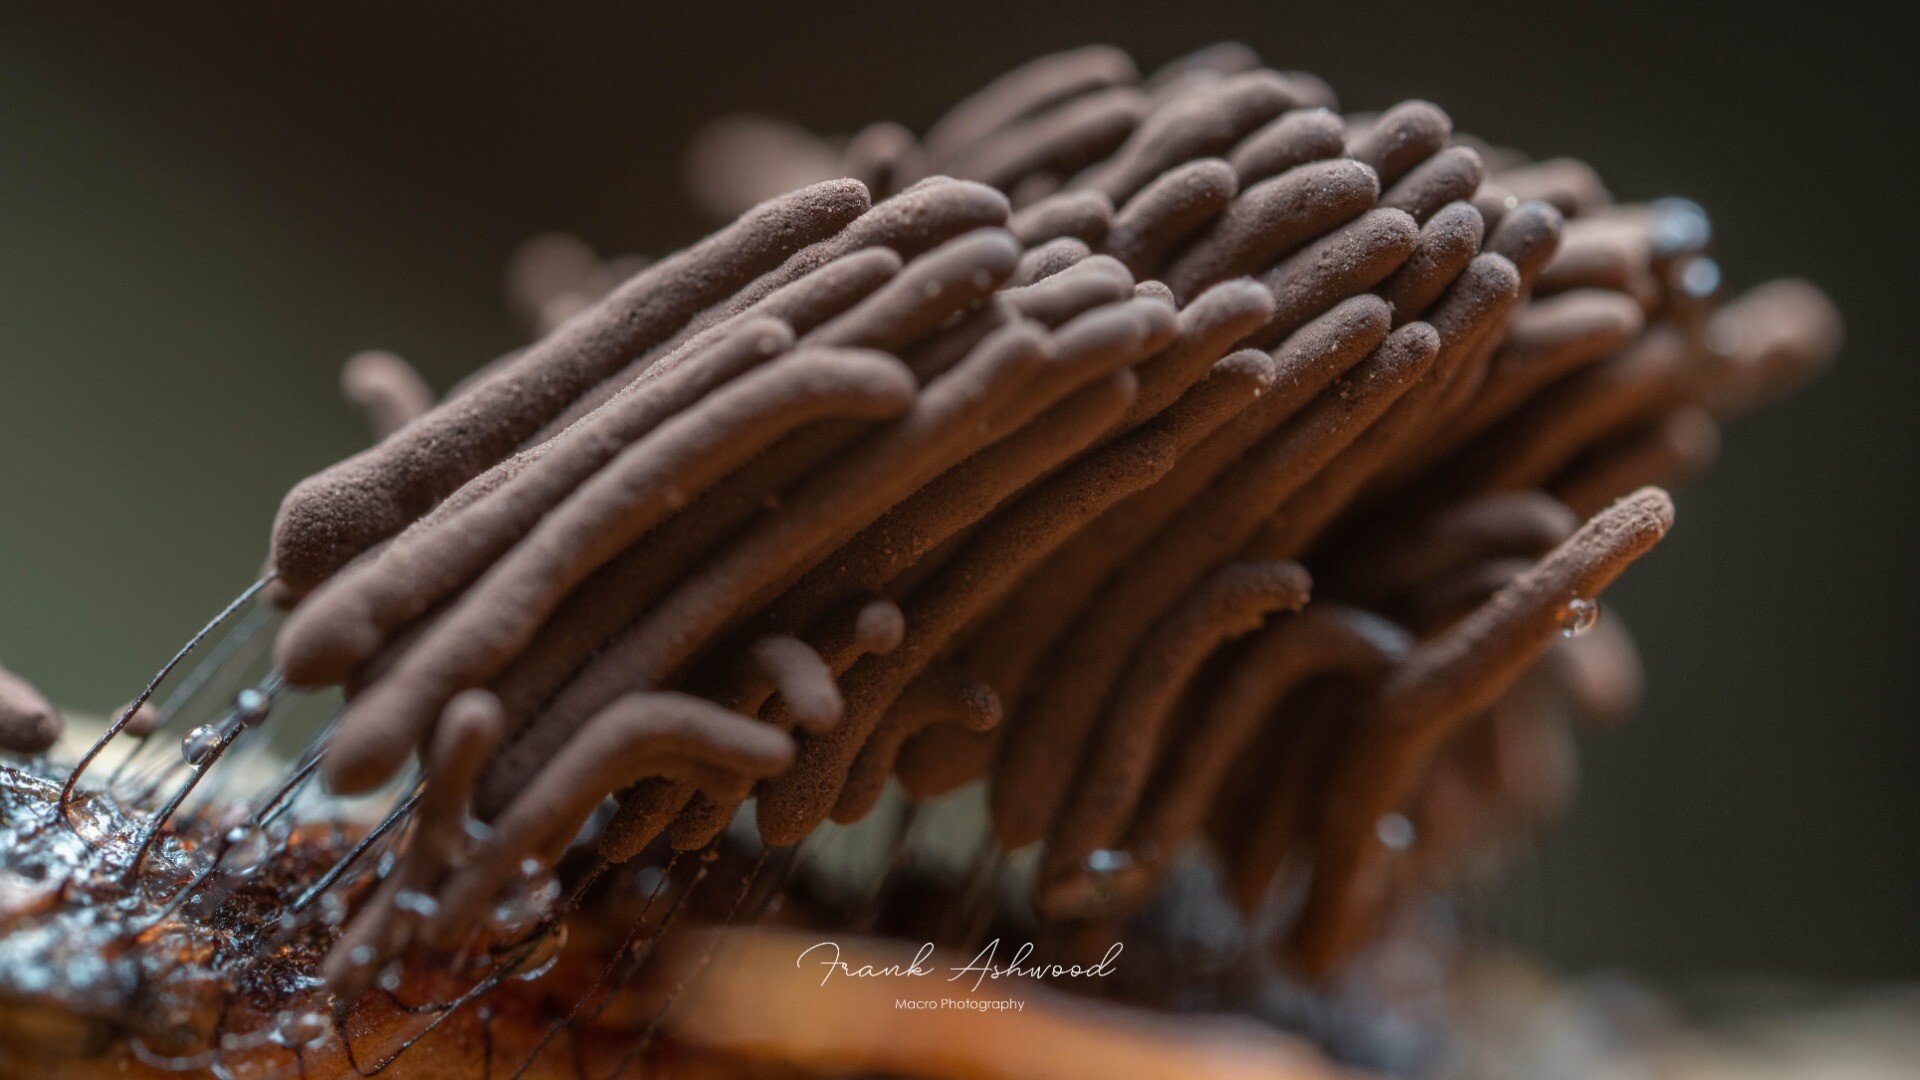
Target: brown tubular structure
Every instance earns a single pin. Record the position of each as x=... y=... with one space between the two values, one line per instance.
x=386 y=389
x=1011 y=465
x=1443 y=682
x=28 y=723
x=1233 y=601
x=330 y=518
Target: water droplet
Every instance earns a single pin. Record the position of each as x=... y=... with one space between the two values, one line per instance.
x=250 y=706
x=1108 y=861
x=982 y=280
x=525 y=902
x=932 y=289
x=361 y=956
x=199 y=745
x=544 y=954
x=1701 y=278
x=478 y=831
x=332 y=908
x=1679 y=225
x=297 y=1029
x=418 y=904
x=1395 y=831
x=391 y=977
x=247 y=850
x=1579 y=617
x=241 y=1040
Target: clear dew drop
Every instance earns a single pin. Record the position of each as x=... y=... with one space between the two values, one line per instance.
x=1108 y=861
x=295 y=1028
x=525 y=902
x=247 y=850
x=1579 y=617
x=1701 y=278
x=478 y=835
x=198 y=747
x=332 y=908
x=1394 y=831
x=1680 y=225
x=544 y=954
x=417 y=904
x=390 y=977
x=242 y=1040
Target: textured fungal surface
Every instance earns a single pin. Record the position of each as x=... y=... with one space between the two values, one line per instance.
x=1177 y=462
x=1094 y=381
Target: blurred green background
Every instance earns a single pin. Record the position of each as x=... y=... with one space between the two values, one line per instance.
x=205 y=209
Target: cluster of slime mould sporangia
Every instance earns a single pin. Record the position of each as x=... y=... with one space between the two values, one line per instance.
x=1179 y=461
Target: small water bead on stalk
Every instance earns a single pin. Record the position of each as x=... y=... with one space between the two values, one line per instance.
x=1580 y=616
x=248 y=847
x=542 y=953
x=198 y=747
x=526 y=901
x=301 y=1029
